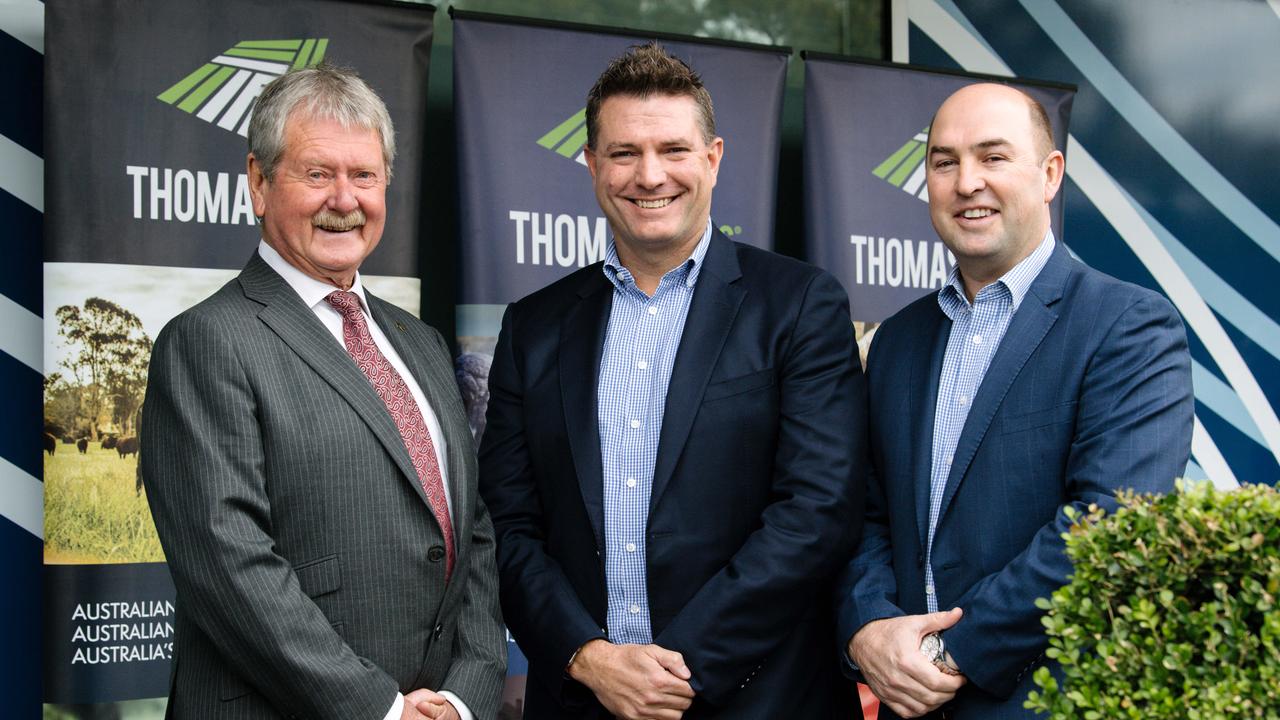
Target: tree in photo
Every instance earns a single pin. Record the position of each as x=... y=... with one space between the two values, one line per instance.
x=108 y=363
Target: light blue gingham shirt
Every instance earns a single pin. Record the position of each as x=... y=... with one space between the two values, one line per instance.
x=635 y=370
x=976 y=331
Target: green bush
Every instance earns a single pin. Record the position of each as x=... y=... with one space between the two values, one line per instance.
x=1172 y=610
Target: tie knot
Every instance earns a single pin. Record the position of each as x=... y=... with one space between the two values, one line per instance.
x=345 y=302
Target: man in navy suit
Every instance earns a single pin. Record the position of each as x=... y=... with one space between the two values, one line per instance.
x=1028 y=383
x=674 y=448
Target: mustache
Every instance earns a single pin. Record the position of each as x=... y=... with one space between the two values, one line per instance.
x=332 y=221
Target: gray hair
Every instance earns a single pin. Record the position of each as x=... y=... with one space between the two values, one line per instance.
x=321 y=92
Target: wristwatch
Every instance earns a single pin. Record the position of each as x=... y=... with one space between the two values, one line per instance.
x=935 y=649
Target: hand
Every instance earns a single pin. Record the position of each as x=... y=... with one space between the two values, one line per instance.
x=888 y=654
x=635 y=681
x=424 y=703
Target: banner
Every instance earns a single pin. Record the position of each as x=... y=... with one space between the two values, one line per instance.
x=866 y=203
x=149 y=213
x=1169 y=179
x=527 y=212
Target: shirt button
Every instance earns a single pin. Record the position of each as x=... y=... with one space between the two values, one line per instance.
x=631 y=547
x=977 y=339
x=653 y=310
x=635 y=609
x=964 y=399
x=928 y=589
x=631 y=482
x=642 y=365
x=635 y=423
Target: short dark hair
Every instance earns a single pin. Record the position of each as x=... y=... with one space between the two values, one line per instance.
x=646 y=70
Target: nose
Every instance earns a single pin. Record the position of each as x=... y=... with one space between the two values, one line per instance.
x=650 y=172
x=970 y=179
x=343 y=199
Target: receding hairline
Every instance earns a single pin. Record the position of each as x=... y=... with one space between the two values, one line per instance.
x=1041 y=126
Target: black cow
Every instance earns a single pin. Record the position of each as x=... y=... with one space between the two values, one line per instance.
x=50 y=444
x=109 y=442
x=82 y=445
x=127 y=446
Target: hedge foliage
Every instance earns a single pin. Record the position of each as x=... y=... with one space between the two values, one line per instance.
x=1171 y=612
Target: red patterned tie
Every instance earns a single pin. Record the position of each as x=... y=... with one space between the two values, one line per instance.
x=393 y=391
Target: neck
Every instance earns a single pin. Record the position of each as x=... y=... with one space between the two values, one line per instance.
x=648 y=265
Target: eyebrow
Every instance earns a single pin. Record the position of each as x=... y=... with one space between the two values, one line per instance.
x=672 y=142
x=984 y=145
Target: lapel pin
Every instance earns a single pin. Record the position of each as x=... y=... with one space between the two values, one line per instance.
x=400 y=326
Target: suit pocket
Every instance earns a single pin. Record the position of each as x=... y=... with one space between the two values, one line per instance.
x=320 y=576
x=738 y=385
x=1039 y=418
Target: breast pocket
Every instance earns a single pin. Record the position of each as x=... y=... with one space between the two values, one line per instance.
x=739 y=385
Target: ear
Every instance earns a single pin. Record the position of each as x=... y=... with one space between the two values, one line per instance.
x=591 y=160
x=257 y=186
x=715 y=152
x=1055 y=167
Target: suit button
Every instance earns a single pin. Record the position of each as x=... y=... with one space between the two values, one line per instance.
x=435 y=554
x=435 y=634
x=919 y=559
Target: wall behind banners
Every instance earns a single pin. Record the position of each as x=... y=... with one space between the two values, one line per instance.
x=1169 y=177
x=21 y=364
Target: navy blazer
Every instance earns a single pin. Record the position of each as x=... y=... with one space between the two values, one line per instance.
x=757 y=490
x=1090 y=391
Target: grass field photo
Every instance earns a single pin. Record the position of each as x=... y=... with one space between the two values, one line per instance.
x=92 y=510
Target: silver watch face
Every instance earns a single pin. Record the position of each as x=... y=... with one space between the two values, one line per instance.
x=931 y=646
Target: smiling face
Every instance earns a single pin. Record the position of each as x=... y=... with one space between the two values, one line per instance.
x=325 y=208
x=991 y=176
x=653 y=172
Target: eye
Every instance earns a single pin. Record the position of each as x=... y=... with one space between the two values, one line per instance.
x=943 y=163
x=995 y=158
x=620 y=154
x=315 y=175
x=677 y=150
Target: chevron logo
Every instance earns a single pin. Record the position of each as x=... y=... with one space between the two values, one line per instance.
x=904 y=169
x=569 y=137
x=222 y=91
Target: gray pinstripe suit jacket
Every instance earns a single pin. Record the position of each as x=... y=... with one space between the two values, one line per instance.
x=309 y=568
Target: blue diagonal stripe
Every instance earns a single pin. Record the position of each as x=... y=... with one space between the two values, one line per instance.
x=1163 y=138
x=21 y=112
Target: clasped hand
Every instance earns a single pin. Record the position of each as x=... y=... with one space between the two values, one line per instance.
x=635 y=682
x=888 y=654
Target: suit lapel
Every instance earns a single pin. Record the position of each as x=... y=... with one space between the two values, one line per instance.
x=1030 y=325
x=414 y=346
x=925 y=377
x=715 y=303
x=582 y=334
x=298 y=327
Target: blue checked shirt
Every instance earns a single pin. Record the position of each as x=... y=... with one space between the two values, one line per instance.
x=635 y=370
x=976 y=332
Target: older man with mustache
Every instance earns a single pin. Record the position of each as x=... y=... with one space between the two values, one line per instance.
x=308 y=464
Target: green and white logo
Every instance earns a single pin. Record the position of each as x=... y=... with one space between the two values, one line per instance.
x=222 y=91
x=904 y=169
x=569 y=137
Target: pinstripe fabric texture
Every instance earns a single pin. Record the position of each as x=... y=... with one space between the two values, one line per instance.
x=976 y=332
x=299 y=538
x=635 y=370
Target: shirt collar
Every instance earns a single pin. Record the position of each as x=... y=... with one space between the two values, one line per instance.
x=1017 y=281
x=618 y=274
x=311 y=290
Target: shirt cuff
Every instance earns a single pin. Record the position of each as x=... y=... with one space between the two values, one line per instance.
x=397 y=708
x=463 y=711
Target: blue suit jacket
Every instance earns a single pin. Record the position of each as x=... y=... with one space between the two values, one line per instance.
x=1090 y=391
x=757 y=489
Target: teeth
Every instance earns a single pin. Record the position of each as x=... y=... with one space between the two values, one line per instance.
x=978 y=212
x=654 y=204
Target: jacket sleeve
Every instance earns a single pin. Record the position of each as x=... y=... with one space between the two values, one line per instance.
x=549 y=620
x=742 y=613
x=203 y=466
x=1133 y=429
x=478 y=662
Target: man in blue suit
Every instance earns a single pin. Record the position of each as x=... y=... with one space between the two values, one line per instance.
x=674 y=449
x=1028 y=383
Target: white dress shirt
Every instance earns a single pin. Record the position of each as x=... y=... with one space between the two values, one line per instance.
x=313 y=293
